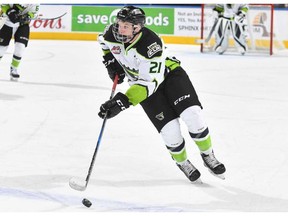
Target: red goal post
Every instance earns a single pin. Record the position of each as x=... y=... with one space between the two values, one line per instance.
x=260 y=22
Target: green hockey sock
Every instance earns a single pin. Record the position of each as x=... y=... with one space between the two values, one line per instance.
x=179 y=156
x=15 y=62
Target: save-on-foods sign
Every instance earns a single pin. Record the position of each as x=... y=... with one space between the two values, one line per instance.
x=95 y=18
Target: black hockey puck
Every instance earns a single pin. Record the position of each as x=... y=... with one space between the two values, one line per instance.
x=86 y=202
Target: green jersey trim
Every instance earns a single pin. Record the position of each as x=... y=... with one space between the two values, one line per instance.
x=171 y=64
x=4 y=8
x=132 y=44
x=136 y=94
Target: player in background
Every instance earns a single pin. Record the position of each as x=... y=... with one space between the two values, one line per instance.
x=231 y=20
x=159 y=84
x=18 y=17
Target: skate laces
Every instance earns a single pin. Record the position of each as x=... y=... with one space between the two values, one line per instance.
x=211 y=160
x=13 y=70
x=187 y=167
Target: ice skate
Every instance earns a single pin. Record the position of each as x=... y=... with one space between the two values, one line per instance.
x=241 y=50
x=14 y=76
x=214 y=166
x=190 y=171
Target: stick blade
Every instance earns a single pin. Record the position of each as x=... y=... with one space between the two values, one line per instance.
x=77 y=184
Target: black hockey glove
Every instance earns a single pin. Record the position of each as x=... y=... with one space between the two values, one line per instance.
x=114 y=106
x=12 y=15
x=24 y=19
x=113 y=67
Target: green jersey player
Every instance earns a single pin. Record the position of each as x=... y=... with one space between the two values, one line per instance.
x=159 y=84
x=18 y=17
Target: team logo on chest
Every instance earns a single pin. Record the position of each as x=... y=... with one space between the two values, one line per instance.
x=116 y=50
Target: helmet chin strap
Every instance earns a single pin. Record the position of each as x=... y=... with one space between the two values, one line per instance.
x=134 y=34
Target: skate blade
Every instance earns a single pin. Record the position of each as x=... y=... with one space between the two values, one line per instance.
x=221 y=176
x=198 y=181
x=14 y=79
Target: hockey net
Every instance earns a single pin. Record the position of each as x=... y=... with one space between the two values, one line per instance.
x=260 y=35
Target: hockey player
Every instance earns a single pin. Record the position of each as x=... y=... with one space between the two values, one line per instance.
x=159 y=84
x=231 y=19
x=18 y=17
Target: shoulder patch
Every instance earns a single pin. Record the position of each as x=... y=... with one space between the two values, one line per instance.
x=150 y=44
x=153 y=48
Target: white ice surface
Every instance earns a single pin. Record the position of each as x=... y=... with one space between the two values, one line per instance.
x=49 y=128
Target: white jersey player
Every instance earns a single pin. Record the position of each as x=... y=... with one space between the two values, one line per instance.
x=159 y=84
x=17 y=19
x=231 y=20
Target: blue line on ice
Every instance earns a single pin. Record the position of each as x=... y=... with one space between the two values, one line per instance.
x=68 y=200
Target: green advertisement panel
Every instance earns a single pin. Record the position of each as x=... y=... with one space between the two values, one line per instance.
x=160 y=20
x=94 y=19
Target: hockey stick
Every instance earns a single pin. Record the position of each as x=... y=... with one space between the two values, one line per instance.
x=81 y=185
x=201 y=41
x=52 y=18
